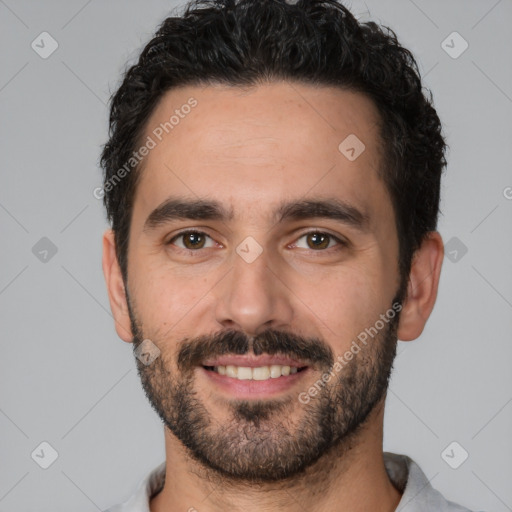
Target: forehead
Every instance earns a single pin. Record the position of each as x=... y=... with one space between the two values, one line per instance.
x=251 y=147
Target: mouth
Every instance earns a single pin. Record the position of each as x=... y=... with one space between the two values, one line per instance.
x=252 y=376
x=258 y=373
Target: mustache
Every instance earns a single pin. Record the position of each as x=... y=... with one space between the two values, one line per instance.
x=312 y=351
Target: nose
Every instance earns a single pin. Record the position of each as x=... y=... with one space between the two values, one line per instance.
x=253 y=297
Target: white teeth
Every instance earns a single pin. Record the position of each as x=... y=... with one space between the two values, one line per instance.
x=275 y=371
x=260 y=373
x=244 y=373
x=231 y=371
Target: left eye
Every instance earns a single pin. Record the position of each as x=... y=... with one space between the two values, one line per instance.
x=318 y=240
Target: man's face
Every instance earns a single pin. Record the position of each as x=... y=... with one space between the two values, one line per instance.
x=264 y=286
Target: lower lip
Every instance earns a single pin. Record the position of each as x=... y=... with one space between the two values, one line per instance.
x=254 y=388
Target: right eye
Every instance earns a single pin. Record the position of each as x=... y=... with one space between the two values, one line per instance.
x=191 y=240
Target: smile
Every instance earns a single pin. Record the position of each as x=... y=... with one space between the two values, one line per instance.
x=255 y=373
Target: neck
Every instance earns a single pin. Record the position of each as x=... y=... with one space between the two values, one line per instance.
x=351 y=477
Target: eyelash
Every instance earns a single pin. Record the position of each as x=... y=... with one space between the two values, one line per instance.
x=340 y=243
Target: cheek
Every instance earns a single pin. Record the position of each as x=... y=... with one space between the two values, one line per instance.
x=166 y=297
x=339 y=300
x=343 y=301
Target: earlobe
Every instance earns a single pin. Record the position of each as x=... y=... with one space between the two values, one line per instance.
x=115 y=287
x=422 y=287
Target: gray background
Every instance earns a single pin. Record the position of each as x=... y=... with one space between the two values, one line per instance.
x=65 y=376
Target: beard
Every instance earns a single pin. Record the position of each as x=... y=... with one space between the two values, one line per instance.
x=273 y=440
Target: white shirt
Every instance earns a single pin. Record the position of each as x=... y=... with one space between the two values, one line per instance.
x=418 y=495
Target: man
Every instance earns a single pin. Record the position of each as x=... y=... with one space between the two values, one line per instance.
x=272 y=178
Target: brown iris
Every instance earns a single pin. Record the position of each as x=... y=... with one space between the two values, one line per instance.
x=196 y=240
x=320 y=240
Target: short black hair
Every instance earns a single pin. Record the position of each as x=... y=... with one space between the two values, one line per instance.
x=317 y=42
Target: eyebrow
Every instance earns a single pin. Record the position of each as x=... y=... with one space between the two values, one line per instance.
x=200 y=209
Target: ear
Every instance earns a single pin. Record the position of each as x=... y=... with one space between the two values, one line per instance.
x=422 y=287
x=115 y=288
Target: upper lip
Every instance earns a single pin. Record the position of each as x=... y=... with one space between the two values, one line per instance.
x=253 y=361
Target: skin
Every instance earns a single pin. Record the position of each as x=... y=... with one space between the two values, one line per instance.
x=250 y=150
